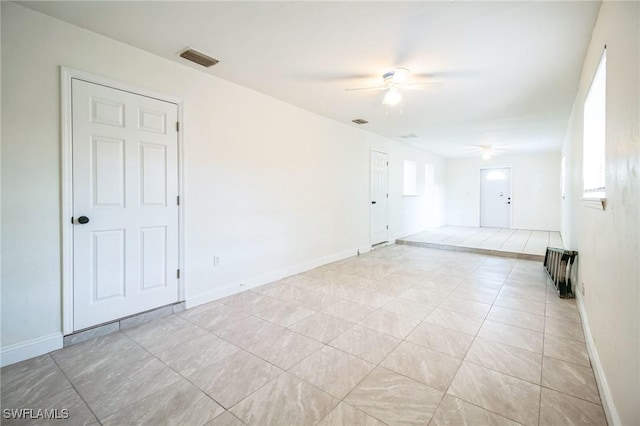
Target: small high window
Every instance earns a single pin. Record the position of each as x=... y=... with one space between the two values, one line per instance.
x=594 y=135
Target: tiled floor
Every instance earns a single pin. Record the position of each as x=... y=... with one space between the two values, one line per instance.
x=399 y=335
x=498 y=239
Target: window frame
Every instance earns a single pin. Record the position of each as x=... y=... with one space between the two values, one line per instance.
x=594 y=154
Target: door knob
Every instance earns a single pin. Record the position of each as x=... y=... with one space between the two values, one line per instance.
x=373 y=202
x=82 y=220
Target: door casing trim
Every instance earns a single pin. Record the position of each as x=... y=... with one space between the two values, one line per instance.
x=66 y=181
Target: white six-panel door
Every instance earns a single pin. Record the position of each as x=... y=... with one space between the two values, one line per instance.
x=495 y=198
x=125 y=182
x=379 y=197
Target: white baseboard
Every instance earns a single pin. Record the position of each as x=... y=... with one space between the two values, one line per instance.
x=29 y=349
x=237 y=287
x=613 y=419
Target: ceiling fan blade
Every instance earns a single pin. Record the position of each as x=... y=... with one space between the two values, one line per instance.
x=422 y=86
x=366 y=88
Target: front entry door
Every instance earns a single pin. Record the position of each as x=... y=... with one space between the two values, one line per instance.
x=125 y=213
x=379 y=197
x=495 y=198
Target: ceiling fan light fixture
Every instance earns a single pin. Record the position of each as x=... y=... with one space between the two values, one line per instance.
x=393 y=97
x=485 y=153
x=399 y=75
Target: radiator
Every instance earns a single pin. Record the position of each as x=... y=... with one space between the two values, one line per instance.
x=559 y=264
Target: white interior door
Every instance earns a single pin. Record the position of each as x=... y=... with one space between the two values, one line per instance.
x=495 y=198
x=125 y=213
x=379 y=197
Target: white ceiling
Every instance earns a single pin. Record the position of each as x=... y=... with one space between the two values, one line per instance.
x=511 y=69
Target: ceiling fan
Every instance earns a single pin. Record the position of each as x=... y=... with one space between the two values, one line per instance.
x=394 y=81
x=485 y=151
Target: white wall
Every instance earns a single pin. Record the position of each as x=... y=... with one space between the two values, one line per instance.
x=607 y=241
x=535 y=182
x=270 y=188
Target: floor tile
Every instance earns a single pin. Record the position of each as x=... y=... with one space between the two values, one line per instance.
x=365 y=343
x=373 y=299
x=316 y=300
x=520 y=304
x=394 y=398
x=248 y=332
x=422 y=364
x=321 y=327
x=213 y=317
x=566 y=350
x=417 y=311
x=79 y=413
x=441 y=339
x=286 y=349
x=534 y=296
x=505 y=395
x=344 y=415
x=333 y=371
x=193 y=355
x=159 y=335
x=115 y=389
x=514 y=336
x=559 y=409
x=348 y=311
x=233 y=378
x=284 y=292
x=563 y=312
x=475 y=293
x=390 y=323
x=565 y=329
x=179 y=404
x=225 y=419
x=455 y=412
x=28 y=381
x=455 y=321
x=285 y=401
x=571 y=379
x=454 y=303
x=281 y=313
x=517 y=318
x=90 y=360
x=506 y=359
x=426 y=296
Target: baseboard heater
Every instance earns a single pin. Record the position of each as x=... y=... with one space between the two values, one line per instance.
x=559 y=263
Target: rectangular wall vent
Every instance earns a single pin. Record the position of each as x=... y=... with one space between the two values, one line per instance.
x=360 y=121
x=409 y=136
x=199 y=58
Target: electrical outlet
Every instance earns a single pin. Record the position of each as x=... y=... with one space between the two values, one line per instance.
x=216 y=261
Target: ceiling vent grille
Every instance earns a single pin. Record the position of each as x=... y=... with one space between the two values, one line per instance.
x=199 y=58
x=360 y=121
x=409 y=136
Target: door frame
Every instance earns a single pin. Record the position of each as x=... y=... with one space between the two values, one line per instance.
x=371 y=150
x=480 y=193
x=66 y=180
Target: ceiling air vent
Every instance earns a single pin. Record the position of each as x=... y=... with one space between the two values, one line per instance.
x=360 y=121
x=199 y=58
x=409 y=136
